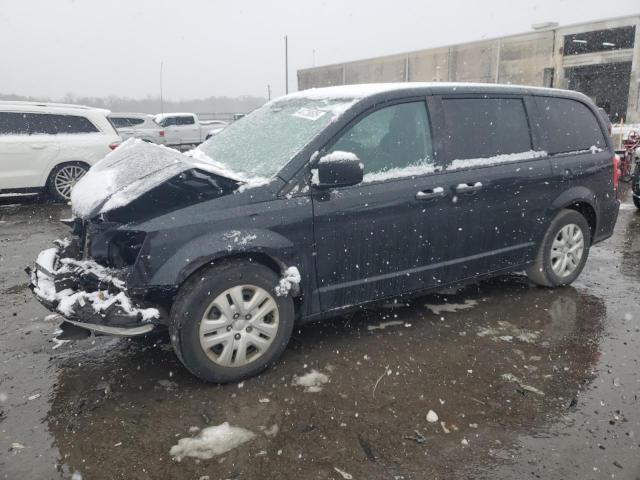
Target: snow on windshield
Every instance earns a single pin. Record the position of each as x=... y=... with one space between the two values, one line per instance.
x=264 y=141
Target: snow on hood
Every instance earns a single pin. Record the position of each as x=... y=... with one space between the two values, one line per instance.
x=134 y=168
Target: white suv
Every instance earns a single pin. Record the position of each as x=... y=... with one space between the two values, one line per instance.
x=48 y=146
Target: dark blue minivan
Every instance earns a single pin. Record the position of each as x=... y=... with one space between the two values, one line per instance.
x=326 y=201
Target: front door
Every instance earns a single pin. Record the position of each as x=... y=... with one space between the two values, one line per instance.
x=387 y=235
x=28 y=145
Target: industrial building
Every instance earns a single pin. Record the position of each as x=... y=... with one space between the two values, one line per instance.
x=600 y=59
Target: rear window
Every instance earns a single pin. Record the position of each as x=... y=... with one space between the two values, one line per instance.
x=570 y=126
x=484 y=127
x=72 y=124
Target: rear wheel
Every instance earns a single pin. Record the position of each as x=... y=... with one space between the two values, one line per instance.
x=563 y=252
x=63 y=178
x=227 y=323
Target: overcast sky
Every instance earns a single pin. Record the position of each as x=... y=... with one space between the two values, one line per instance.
x=114 y=47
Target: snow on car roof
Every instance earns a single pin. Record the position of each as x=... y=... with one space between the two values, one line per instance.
x=161 y=116
x=358 y=91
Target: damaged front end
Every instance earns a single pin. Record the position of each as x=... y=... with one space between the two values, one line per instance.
x=88 y=294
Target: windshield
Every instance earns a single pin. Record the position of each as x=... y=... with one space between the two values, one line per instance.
x=264 y=141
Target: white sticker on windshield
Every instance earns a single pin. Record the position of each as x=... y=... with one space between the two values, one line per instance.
x=308 y=113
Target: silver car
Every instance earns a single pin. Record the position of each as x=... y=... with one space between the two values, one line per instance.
x=138 y=125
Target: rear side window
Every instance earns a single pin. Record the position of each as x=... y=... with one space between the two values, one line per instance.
x=168 y=121
x=570 y=125
x=40 y=124
x=72 y=124
x=185 y=121
x=484 y=127
x=136 y=121
x=13 y=123
x=120 y=122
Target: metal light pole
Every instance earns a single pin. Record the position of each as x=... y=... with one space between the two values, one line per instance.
x=286 y=65
x=269 y=91
x=161 y=96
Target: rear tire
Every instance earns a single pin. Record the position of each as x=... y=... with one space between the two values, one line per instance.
x=563 y=252
x=63 y=178
x=221 y=340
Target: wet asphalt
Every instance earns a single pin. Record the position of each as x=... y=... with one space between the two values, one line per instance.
x=526 y=382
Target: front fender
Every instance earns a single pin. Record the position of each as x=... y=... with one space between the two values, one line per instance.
x=207 y=248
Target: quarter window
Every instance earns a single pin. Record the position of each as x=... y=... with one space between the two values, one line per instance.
x=72 y=124
x=391 y=138
x=570 y=125
x=484 y=127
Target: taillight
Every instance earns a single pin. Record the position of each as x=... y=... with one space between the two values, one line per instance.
x=114 y=145
x=162 y=133
x=616 y=172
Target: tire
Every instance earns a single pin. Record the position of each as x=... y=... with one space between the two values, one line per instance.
x=566 y=224
x=62 y=179
x=636 y=201
x=259 y=341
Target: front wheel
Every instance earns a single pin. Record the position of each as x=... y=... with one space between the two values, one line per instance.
x=228 y=324
x=563 y=252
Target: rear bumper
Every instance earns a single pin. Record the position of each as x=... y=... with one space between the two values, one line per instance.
x=88 y=295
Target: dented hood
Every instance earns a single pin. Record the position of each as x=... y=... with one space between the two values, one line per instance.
x=135 y=168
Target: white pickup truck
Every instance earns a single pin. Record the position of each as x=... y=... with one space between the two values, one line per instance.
x=184 y=129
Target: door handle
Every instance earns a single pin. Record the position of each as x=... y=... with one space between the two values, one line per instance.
x=428 y=194
x=468 y=187
x=38 y=146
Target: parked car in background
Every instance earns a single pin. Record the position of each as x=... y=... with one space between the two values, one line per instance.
x=50 y=146
x=216 y=127
x=138 y=125
x=184 y=129
x=329 y=200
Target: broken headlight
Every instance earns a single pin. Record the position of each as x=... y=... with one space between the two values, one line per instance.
x=117 y=249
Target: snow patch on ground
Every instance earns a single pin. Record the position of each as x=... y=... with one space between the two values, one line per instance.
x=451 y=307
x=290 y=279
x=506 y=332
x=211 y=441
x=312 y=381
x=384 y=325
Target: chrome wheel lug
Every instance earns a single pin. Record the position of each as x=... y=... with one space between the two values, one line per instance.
x=247 y=316
x=229 y=327
x=237 y=336
x=249 y=329
x=236 y=316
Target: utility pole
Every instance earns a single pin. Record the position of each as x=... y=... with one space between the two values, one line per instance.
x=161 y=96
x=286 y=65
x=269 y=91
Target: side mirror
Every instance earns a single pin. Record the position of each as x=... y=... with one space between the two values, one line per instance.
x=338 y=169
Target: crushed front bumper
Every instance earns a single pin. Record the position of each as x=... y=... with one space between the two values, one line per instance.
x=87 y=294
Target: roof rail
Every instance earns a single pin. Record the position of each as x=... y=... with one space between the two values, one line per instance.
x=47 y=104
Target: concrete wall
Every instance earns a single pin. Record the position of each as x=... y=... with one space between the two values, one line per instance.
x=518 y=59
